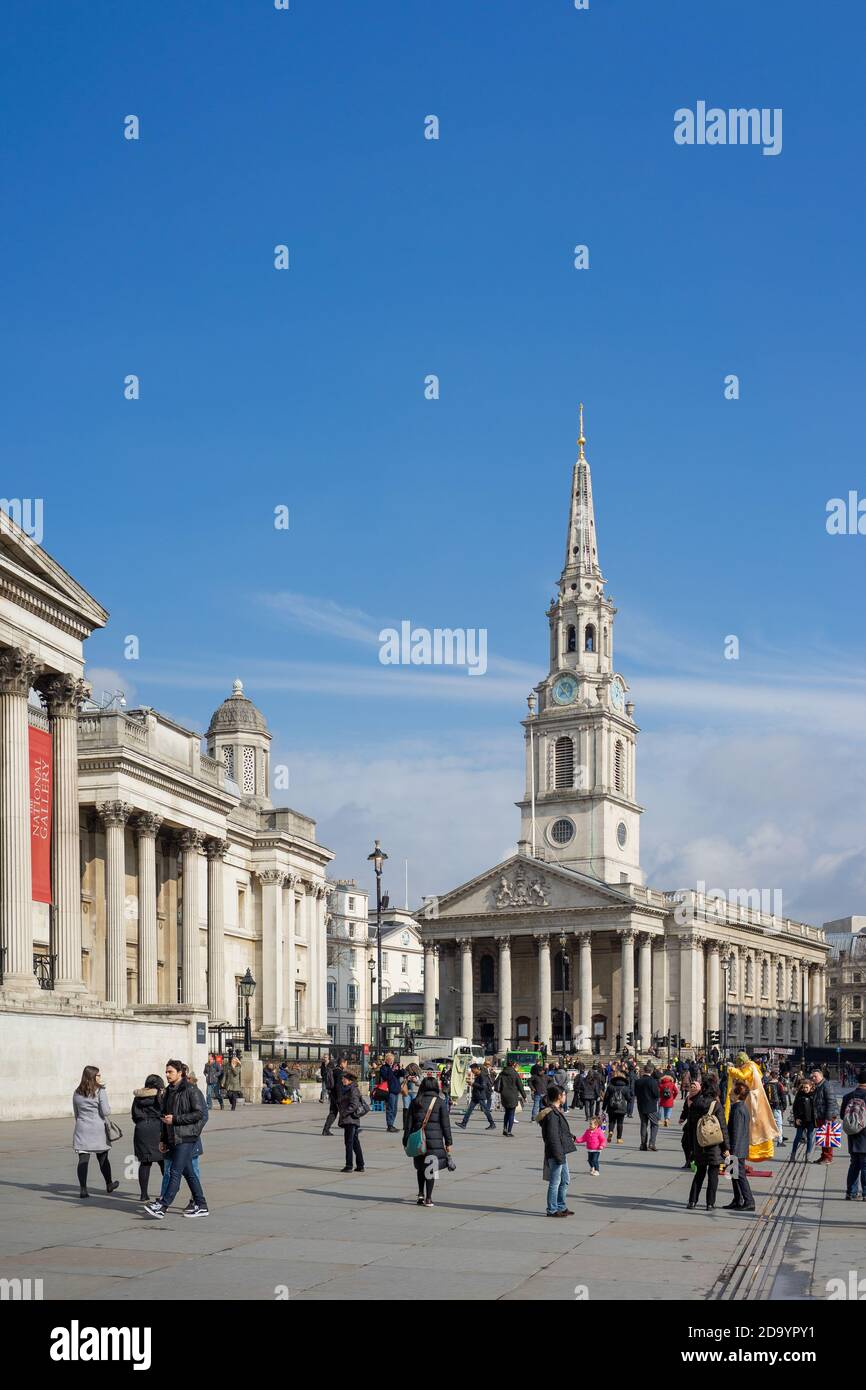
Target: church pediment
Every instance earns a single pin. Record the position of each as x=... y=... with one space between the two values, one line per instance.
x=522 y=884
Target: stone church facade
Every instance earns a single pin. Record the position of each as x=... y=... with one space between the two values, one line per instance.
x=564 y=941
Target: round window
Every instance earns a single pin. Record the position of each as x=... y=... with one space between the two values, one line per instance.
x=621 y=834
x=562 y=831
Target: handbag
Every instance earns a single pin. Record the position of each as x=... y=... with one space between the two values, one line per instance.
x=416 y=1144
x=113 y=1132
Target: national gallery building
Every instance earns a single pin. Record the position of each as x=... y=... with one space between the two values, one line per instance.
x=564 y=941
x=140 y=876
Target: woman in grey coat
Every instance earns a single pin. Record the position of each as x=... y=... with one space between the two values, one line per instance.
x=91 y=1110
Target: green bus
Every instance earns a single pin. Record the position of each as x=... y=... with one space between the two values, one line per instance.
x=523 y=1060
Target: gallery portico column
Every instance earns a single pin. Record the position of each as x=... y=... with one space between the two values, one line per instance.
x=63 y=696
x=322 y=896
x=18 y=670
x=272 y=949
x=292 y=1022
x=467 y=1025
x=660 y=971
x=815 y=1040
x=688 y=1021
x=431 y=950
x=644 y=989
x=191 y=844
x=713 y=976
x=216 y=853
x=627 y=935
x=146 y=830
x=545 y=1006
x=584 y=1022
x=504 y=1040
x=114 y=815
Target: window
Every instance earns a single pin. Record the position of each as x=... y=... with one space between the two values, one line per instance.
x=562 y=831
x=856 y=1030
x=833 y=1033
x=564 y=762
x=780 y=982
x=750 y=975
x=384 y=960
x=352 y=954
x=240 y=1008
x=332 y=994
x=351 y=997
x=351 y=904
x=352 y=1033
x=572 y=639
x=242 y=907
x=618 y=766
x=765 y=979
x=351 y=929
x=732 y=1026
x=404 y=964
x=832 y=1003
x=522 y=1025
x=404 y=939
x=732 y=975
x=229 y=761
x=858 y=978
x=621 y=834
x=589 y=638
x=487 y=975
x=249 y=770
x=793 y=1030
x=763 y=1028
x=857 y=1003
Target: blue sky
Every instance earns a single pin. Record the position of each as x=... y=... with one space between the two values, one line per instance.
x=454 y=257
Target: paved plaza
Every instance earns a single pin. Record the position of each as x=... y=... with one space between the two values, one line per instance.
x=286 y=1222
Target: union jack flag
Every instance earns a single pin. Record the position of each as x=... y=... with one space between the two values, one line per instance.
x=829 y=1135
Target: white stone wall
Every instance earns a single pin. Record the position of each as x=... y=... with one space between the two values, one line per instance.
x=45 y=1054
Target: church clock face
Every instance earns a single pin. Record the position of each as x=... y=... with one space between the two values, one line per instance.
x=564 y=690
x=617 y=695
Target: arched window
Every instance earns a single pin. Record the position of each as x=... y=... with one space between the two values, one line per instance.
x=750 y=975
x=564 y=762
x=780 y=982
x=619 y=766
x=572 y=639
x=795 y=984
x=486 y=983
x=589 y=638
x=765 y=979
x=558 y=982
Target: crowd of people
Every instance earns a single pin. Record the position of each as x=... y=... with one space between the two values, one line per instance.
x=729 y=1113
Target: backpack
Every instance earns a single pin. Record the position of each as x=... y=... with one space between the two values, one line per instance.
x=666 y=1093
x=708 y=1130
x=854 y=1119
x=617 y=1101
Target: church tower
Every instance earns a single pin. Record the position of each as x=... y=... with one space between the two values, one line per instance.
x=580 y=744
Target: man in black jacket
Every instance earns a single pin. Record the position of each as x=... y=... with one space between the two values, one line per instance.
x=482 y=1092
x=558 y=1144
x=183 y=1118
x=825 y=1109
x=855 y=1101
x=334 y=1082
x=646 y=1093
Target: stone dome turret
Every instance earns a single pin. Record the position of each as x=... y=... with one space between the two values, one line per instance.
x=237 y=715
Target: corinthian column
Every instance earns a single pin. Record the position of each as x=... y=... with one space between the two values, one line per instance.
x=627 y=936
x=545 y=1006
x=114 y=815
x=584 y=1023
x=272 y=949
x=18 y=670
x=146 y=830
x=191 y=842
x=321 y=920
x=466 y=993
x=431 y=950
x=292 y=881
x=713 y=977
x=504 y=943
x=216 y=852
x=644 y=989
x=63 y=696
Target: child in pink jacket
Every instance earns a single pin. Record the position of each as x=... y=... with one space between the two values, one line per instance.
x=595 y=1139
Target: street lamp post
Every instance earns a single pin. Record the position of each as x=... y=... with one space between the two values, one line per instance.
x=247 y=988
x=371 y=966
x=377 y=858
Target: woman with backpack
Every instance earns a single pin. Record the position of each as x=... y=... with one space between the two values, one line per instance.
x=616 y=1105
x=708 y=1137
x=693 y=1093
x=668 y=1093
x=428 y=1137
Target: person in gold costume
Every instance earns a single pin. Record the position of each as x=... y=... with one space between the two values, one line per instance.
x=762 y=1126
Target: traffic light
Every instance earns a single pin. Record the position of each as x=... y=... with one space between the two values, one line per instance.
x=629 y=1037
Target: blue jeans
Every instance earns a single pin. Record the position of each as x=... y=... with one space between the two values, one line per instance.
x=557 y=1187
x=213 y=1094
x=856 y=1169
x=799 y=1132
x=536 y=1106
x=184 y=1163
x=508 y=1118
x=485 y=1106
x=391 y=1108
x=594 y=1159
x=166 y=1174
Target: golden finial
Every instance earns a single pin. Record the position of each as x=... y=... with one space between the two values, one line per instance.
x=580 y=438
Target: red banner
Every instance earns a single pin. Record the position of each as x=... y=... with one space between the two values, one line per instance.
x=40 y=814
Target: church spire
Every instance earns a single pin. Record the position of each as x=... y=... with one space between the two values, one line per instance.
x=581 y=553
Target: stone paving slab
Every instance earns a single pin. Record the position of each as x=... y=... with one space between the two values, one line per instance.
x=283 y=1214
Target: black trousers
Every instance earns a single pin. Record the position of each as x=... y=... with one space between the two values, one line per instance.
x=711 y=1172
x=332 y=1115
x=614 y=1122
x=353 y=1146
x=84 y=1164
x=743 y=1194
x=144 y=1176
x=425 y=1185
x=589 y=1108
